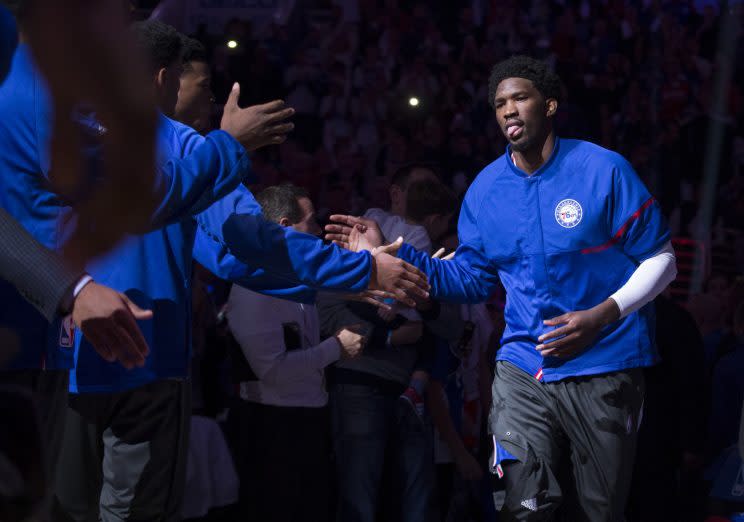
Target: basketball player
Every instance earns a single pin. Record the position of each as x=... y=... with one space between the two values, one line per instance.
x=581 y=248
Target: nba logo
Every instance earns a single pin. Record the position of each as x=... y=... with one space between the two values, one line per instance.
x=67 y=332
x=568 y=213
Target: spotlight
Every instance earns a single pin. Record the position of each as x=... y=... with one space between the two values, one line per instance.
x=232 y=44
x=413 y=101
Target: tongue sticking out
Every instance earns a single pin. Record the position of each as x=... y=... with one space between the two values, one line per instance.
x=515 y=131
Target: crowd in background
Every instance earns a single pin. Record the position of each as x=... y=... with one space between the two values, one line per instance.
x=640 y=78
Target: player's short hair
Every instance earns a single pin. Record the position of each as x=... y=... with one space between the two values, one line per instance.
x=282 y=201
x=428 y=197
x=402 y=176
x=192 y=51
x=536 y=71
x=160 y=42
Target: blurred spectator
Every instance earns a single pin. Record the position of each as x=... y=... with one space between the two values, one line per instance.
x=383 y=447
x=283 y=437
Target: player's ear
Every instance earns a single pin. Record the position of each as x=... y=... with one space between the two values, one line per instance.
x=551 y=107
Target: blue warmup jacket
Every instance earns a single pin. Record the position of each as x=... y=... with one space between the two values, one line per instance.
x=155 y=272
x=25 y=127
x=560 y=240
x=153 y=269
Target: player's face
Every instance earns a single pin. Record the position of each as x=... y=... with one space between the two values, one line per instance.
x=195 y=96
x=522 y=113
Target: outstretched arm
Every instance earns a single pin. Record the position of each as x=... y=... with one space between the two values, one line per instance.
x=301 y=259
x=468 y=277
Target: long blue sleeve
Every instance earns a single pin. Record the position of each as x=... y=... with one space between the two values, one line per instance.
x=469 y=277
x=207 y=169
x=282 y=253
x=216 y=258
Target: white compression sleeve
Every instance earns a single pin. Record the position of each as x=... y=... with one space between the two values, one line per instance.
x=649 y=279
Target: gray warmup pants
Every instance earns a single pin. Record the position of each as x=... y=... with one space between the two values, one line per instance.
x=574 y=439
x=124 y=454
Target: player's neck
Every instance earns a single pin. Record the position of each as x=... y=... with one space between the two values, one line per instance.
x=531 y=160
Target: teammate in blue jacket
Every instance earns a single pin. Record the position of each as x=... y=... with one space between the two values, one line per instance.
x=581 y=248
x=155 y=269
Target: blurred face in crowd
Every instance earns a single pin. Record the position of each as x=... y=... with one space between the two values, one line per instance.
x=308 y=224
x=398 y=194
x=523 y=114
x=195 y=97
x=437 y=225
x=167 y=82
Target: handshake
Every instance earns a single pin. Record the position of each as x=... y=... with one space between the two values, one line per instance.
x=391 y=278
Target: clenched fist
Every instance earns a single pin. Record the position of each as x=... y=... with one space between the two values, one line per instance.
x=351 y=342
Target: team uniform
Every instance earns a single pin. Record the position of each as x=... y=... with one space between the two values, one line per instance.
x=143 y=441
x=559 y=240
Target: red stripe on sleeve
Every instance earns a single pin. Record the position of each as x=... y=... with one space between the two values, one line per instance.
x=619 y=234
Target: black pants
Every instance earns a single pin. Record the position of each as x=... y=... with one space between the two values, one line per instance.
x=33 y=404
x=572 y=439
x=283 y=460
x=124 y=454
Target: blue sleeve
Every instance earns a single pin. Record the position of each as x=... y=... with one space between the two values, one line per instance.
x=635 y=221
x=281 y=252
x=469 y=277
x=199 y=171
x=215 y=258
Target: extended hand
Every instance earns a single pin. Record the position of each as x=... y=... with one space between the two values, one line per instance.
x=108 y=319
x=354 y=233
x=258 y=125
x=396 y=276
x=579 y=331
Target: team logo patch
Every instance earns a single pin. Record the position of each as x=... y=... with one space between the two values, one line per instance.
x=67 y=332
x=568 y=213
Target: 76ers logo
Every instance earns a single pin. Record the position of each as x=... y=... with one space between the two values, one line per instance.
x=568 y=213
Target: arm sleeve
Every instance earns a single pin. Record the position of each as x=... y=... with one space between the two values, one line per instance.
x=635 y=219
x=208 y=169
x=469 y=277
x=281 y=252
x=38 y=274
x=215 y=258
x=650 y=278
x=290 y=366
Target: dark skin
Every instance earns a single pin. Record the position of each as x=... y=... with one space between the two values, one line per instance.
x=525 y=117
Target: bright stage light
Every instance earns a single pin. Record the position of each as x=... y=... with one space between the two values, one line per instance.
x=413 y=101
x=232 y=44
